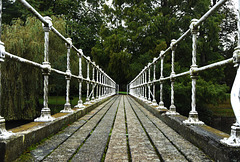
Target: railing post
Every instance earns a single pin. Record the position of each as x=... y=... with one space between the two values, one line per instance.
x=100 y=84
x=193 y=115
x=161 y=103
x=172 y=109
x=149 y=84
x=93 y=82
x=146 y=86
x=154 y=102
x=80 y=102
x=88 y=81
x=103 y=81
x=46 y=112
x=234 y=139
x=4 y=134
x=97 y=82
x=142 y=86
x=67 y=106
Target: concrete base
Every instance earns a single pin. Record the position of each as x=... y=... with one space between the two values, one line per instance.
x=29 y=134
x=172 y=110
x=234 y=139
x=202 y=136
x=193 y=119
x=67 y=109
x=45 y=116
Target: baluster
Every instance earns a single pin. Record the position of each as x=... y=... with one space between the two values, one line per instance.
x=100 y=84
x=4 y=134
x=234 y=139
x=103 y=87
x=154 y=102
x=80 y=102
x=93 y=82
x=161 y=103
x=141 y=86
x=149 y=84
x=172 y=109
x=46 y=112
x=138 y=93
x=193 y=114
x=88 y=81
x=146 y=86
x=97 y=82
x=67 y=106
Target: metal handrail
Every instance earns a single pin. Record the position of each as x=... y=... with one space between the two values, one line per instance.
x=140 y=85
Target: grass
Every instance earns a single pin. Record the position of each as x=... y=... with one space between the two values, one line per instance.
x=222 y=110
x=121 y=92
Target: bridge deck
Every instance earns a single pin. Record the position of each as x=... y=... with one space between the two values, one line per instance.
x=118 y=130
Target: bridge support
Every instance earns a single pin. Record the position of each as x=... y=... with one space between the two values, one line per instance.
x=193 y=115
x=46 y=112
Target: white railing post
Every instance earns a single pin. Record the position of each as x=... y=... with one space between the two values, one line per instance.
x=154 y=102
x=93 y=82
x=67 y=106
x=161 y=103
x=97 y=82
x=142 y=86
x=4 y=134
x=193 y=114
x=46 y=112
x=100 y=82
x=172 y=109
x=88 y=82
x=234 y=139
x=146 y=86
x=80 y=102
x=149 y=84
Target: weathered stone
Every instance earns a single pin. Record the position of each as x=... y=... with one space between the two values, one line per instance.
x=117 y=149
x=93 y=148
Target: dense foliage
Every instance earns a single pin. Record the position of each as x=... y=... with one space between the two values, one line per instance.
x=124 y=36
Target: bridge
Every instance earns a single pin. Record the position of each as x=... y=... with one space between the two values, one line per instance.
x=109 y=127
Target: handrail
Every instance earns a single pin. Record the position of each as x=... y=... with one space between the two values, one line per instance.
x=101 y=84
x=140 y=86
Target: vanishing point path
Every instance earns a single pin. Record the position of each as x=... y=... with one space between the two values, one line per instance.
x=117 y=130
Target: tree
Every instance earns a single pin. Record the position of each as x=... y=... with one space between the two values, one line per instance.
x=21 y=84
x=143 y=28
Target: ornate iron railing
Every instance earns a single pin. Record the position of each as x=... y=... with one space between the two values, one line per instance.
x=99 y=85
x=143 y=87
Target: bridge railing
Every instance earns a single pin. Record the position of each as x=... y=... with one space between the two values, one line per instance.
x=99 y=84
x=143 y=87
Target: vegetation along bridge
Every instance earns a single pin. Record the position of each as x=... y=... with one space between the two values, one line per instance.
x=106 y=126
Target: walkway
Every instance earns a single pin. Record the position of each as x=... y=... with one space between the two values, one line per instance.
x=118 y=130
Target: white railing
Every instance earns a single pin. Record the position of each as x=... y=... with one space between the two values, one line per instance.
x=99 y=85
x=144 y=88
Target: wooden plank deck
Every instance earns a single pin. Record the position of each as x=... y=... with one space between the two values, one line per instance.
x=117 y=130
